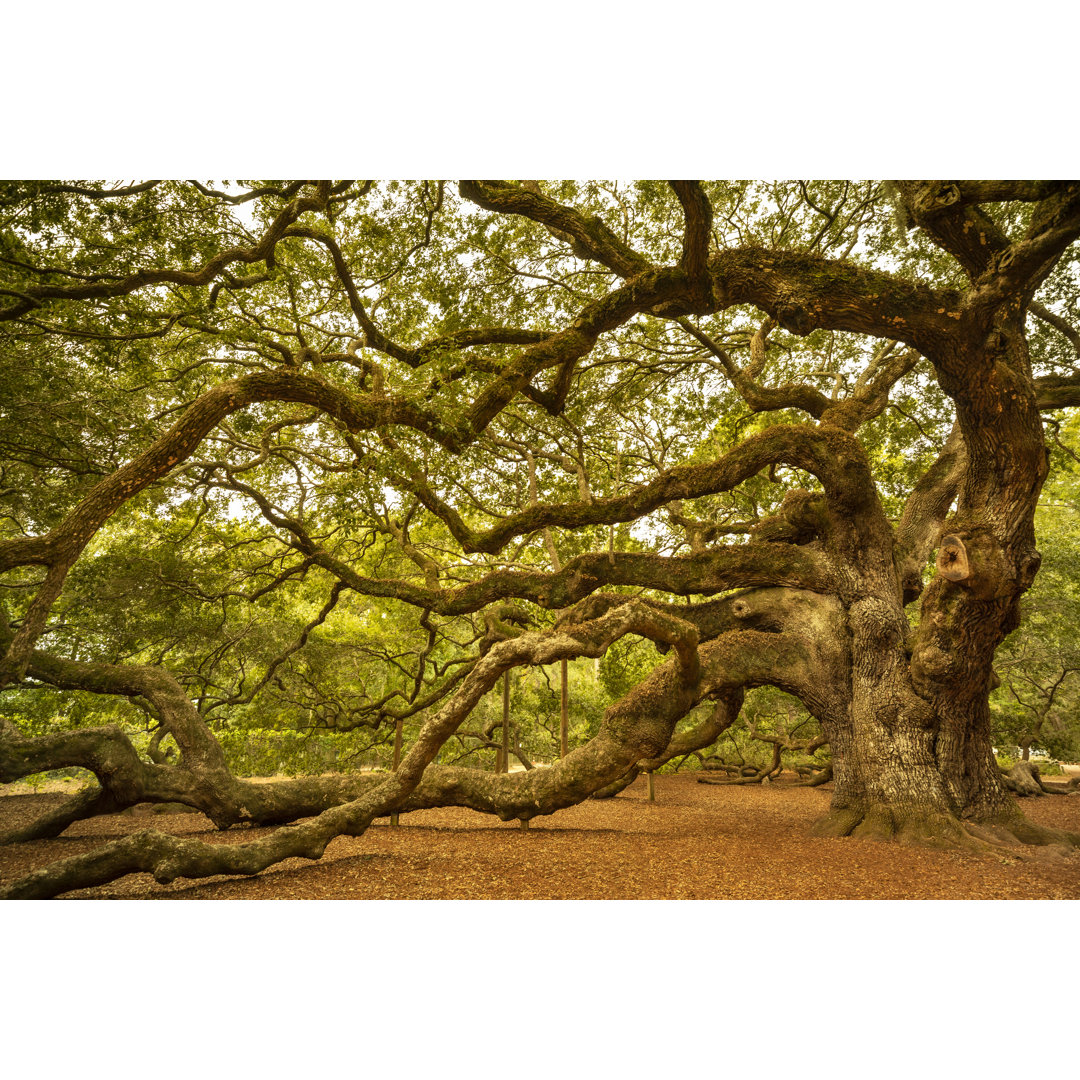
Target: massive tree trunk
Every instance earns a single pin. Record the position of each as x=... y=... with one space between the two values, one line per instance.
x=915 y=757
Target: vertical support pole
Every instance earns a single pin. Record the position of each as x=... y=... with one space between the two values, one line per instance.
x=524 y=824
x=564 y=722
x=397 y=743
x=397 y=758
x=506 y=722
x=652 y=793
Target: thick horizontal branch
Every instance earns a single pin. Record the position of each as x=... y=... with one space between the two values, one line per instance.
x=831 y=455
x=803 y=292
x=806 y=292
x=717 y=570
x=1057 y=392
x=99 y=193
x=984 y=191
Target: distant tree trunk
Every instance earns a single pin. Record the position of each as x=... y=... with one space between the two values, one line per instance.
x=397 y=757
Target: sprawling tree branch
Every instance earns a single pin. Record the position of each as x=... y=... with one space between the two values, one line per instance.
x=35 y=295
x=590 y=237
x=831 y=455
x=638 y=725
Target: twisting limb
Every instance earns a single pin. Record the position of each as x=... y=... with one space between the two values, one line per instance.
x=169 y=857
x=956 y=223
x=697 y=211
x=723 y=715
x=61 y=547
x=1024 y=265
x=639 y=726
x=374 y=337
x=928 y=505
x=636 y=729
x=590 y=237
x=761 y=398
x=805 y=292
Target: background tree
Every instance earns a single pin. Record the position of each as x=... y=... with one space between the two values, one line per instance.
x=735 y=419
x=1037 y=705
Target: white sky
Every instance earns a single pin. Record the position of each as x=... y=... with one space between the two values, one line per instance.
x=571 y=88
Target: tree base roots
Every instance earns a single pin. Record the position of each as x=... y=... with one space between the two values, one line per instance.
x=937 y=829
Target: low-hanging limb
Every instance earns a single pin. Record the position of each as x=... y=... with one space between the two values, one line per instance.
x=779 y=743
x=784 y=637
x=636 y=729
x=722 y=716
x=170 y=857
x=205 y=784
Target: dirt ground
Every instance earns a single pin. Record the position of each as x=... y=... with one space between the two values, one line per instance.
x=695 y=841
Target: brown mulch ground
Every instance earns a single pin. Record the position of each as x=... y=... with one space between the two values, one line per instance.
x=695 y=842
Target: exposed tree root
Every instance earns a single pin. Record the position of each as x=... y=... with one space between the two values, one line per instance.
x=823 y=777
x=1024 y=778
x=937 y=829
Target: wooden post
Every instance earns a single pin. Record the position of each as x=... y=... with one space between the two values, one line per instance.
x=397 y=758
x=524 y=824
x=652 y=793
x=506 y=723
x=564 y=723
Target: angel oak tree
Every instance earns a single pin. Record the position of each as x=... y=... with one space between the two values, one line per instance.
x=543 y=416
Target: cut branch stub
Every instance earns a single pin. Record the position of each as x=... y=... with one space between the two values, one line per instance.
x=952 y=559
